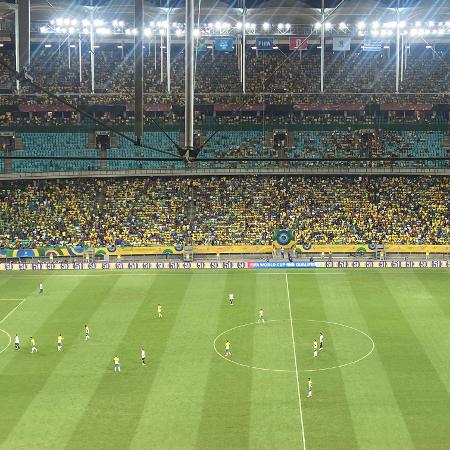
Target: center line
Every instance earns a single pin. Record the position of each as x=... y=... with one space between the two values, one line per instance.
x=296 y=366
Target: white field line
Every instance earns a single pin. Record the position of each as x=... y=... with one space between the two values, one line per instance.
x=295 y=361
x=7 y=315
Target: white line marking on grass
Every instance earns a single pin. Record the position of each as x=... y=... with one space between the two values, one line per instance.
x=295 y=361
x=351 y=362
x=10 y=299
x=10 y=340
x=246 y=365
x=21 y=300
x=7 y=315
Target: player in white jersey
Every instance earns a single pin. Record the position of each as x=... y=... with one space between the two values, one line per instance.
x=321 y=341
x=231 y=298
x=143 y=356
x=41 y=288
x=17 y=342
x=87 y=333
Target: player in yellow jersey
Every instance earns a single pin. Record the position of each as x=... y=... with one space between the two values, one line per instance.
x=227 y=348
x=315 y=348
x=60 y=344
x=116 y=364
x=261 y=316
x=309 y=387
x=87 y=333
x=33 y=345
x=159 y=311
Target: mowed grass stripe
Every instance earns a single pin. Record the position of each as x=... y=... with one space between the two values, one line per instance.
x=25 y=374
x=173 y=407
x=420 y=394
x=225 y=418
x=377 y=419
x=80 y=367
x=326 y=415
x=426 y=319
x=274 y=418
x=114 y=410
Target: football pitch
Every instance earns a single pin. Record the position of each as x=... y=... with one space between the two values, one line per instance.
x=382 y=380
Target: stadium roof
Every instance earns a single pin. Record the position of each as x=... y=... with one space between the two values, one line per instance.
x=296 y=11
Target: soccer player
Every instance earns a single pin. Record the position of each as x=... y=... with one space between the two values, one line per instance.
x=261 y=316
x=87 y=333
x=231 y=297
x=315 y=348
x=309 y=387
x=321 y=341
x=227 y=348
x=41 y=288
x=116 y=364
x=143 y=356
x=60 y=345
x=33 y=345
x=159 y=311
x=17 y=342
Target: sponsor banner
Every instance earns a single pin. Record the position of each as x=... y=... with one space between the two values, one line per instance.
x=372 y=46
x=298 y=43
x=406 y=107
x=153 y=107
x=124 y=265
x=201 y=45
x=284 y=265
x=329 y=107
x=390 y=264
x=341 y=44
x=223 y=44
x=236 y=107
x=264 y=43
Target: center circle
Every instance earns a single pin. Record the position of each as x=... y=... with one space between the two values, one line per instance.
x=9 y=340
x=337 y=335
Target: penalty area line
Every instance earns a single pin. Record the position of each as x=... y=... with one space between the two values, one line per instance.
x=295 y=361
x=7 y=315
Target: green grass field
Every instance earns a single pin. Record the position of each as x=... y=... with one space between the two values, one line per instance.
x=382 y=381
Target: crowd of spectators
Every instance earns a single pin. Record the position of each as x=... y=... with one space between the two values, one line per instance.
x=285 y=77
x=225 y=210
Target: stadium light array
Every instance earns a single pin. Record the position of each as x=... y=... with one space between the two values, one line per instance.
x=266 y=26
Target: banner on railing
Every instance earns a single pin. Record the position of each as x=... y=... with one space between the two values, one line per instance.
x=223 y=44
x=298 y=43
x=264 y=43
x=341 y=44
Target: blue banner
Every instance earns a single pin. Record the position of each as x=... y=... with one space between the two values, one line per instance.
x=283 y=265
x=264 y=43
x=223 y=44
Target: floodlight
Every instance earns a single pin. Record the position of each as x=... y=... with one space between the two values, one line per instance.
x=74 y=22
x=64 y=30
x=85 y=23
x=66 y=21
x=71 y=30
x=375 y=24
x=266 y=26
x=162 y=31
x=317 y=25
x=225 y=25
x=52 y=22
x=128 y=31
x=287 y=26
x=59 y=21
x=98 y=22
x=413 y=31
x=418 y=23
x=43 y=29
x=121 y=23
x=342 y=26
x=196 y=32
x=361 y=25
x=430 y=23
x=85 y=31
x=280 y=26
x=239 y=25
x=375 y=32
x=328 y=26
x=115 y=23
x=179 y=32
x=248 y=25
x=147 y=32
x=218 y=25
x=402 y=24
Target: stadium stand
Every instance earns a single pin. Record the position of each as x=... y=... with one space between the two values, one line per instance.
x=220 y=210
